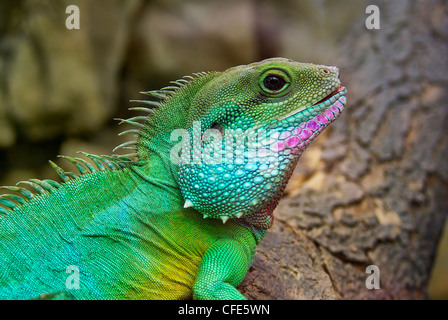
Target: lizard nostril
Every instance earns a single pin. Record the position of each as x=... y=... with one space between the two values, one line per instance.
x=326 y=71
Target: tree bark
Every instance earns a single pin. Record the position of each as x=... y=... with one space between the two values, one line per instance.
x=372 y=191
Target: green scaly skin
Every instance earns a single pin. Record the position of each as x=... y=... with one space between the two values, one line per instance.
x=133 y=225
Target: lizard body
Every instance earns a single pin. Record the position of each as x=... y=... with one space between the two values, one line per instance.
x=181 y=217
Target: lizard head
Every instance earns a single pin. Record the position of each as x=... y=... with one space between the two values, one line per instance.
x=248 y=127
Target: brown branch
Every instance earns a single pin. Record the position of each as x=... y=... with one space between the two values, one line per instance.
x=377 y=194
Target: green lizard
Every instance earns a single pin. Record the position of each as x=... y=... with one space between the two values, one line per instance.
x=181 y=217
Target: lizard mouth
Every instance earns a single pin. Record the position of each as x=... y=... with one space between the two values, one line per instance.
x=339 y=89
x=325 y=103
x=308 y=122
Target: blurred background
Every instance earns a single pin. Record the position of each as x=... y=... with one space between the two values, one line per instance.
x=60 y=89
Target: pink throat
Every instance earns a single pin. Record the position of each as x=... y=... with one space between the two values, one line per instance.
x=299 y=137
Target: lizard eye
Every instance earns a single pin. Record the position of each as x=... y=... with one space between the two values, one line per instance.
x=274 y=82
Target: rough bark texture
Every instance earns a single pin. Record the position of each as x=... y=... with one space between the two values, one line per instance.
x=374 y=190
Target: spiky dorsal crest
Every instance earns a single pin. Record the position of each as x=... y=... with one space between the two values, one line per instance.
x=38 y=187
x=148 y=107
x=103 y=163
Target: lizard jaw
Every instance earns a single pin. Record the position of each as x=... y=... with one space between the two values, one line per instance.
x=325 y=102
x=286 y=146
x=319 y=116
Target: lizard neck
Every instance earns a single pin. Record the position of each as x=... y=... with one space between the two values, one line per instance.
x=258 y=223
x=163 y=174
x=159 y=170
